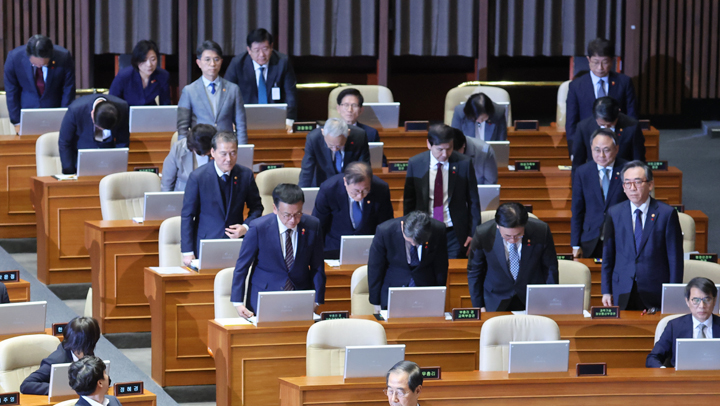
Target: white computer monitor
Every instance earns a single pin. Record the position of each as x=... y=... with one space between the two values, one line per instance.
x=371 y=361
x=41 y=121
x=102 y=161
x=355 y=249
x=293 y=305
x=696 y=355
x=219 y=253
x=23 y=317
x=555 y=299
x=310 y=196
x=265 y=116
x=153 y=119
x=419 y=301
x=162 y=205
x=538 y=356
x=380 y=115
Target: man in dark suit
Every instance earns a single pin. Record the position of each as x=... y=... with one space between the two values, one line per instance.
x=329 y=149
x=507 y=255
x=264 y=75
x=643 y=245
x=606 y=114
x=596 y=187
x=38 y=75
x=93 y=121
x=700 y=296
x=407 y=251
x=4 y=298
x=291 y=257
x=214 y=198
x=601 y=81
x=353 y=203
x=442 y=182
x=89 y=378
x=480 y=118
x=481 y=154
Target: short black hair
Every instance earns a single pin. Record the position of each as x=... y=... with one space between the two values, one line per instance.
x=208 y=45
x=511 y=215
x=604 y=132
x=415 y=377
x=606 y=108
x=259 y=35
x=350 y=91
x=106 y=115
x=600 y=47
x=39 y=46
x=139 y=53
x=199 y=138
x=417 y=226
x=81 y=335
x=356 y=172
x=288 y=193
x=440 y=134
x=224 y=136
x=85 y=373
x=705 y=285
x=459 y=139
x=637 y=164
x=477 y=105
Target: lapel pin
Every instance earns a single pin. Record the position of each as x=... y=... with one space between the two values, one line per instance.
x=303 y=231
x=368 y=202
x=235 y=177
x=613 y=83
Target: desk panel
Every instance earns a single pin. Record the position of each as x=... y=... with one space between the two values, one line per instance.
x=18 y=291
x=146 y=399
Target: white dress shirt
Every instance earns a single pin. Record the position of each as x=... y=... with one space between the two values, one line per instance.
x=518 y=246
x=446 y=201
x=596 y=79
x=708 y=327
x=644 y=208
x=480 y=130
x=212 y=98
x=91 y=402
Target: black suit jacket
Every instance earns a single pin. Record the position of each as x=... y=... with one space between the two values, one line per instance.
x=280 y=74
x=663 y=353
x=4 y=298
x=489 y=278
x=631 y=141
x=113 y=401
x=38 y=383
x=317 y=163
x=388 y=266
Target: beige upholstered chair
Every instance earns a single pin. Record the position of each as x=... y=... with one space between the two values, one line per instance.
x=687 y=225
x=488 y=215
x=708 y=270
x=360 y=293
x=174 y=138
x=460 y=94
x=571 y=272
x=662 y=324
x=20 y=356
x=88 y=304
x=326 y=342
x=268 y=180
x=122 y=195
x=47 y=154
x=497 y=332
x=223 y=288
x=370 y=93
x=6 y=127
x=169 y=252
x=561 y=114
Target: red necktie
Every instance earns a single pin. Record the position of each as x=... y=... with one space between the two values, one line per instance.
x=39 y=81
x=438 y=212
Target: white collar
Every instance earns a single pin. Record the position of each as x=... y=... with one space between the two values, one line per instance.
x=206 y=82
x=282 y=228
x=92 y=402
x=257 y=66
x=434 y=161
x=610 y=166
x=219 y=172
x=642 y=207
x=696 y=322
x=596 y=79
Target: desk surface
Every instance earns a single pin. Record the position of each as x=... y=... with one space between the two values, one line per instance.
x=146 y=399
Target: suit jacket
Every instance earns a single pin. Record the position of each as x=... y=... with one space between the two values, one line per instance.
x=462 y=191
x=495 y=127
x=489 y=278
x=4 y=298
x=128 y=86
x=631 y=141
x=177 y=167
x=78 y=130
x=659 y=261
x=194 y=108
x=204 y=215
x=388 y=266
x=38 y=383
x=663 y=353
x=317 y=163
x=483 y=160
x=581 y=96
x=332 y=208
x=280 y=74
x=20 y=88
x=113 y=401
x=589 y=206
x=270 y=272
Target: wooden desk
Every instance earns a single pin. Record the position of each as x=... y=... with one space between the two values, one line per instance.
x=146 y=399
x=17 y=165
x=636 y=386
x=18 y=291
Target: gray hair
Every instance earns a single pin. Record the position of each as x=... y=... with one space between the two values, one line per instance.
x=224 y=136
x=637 y=164
x=335 y=127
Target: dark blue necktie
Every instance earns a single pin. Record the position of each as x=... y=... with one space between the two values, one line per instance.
x=357 y=214
x=338 y=162
x=414 y=262
x=262 y=87
x=226 y=188
x=212 y=88
x=638 y=230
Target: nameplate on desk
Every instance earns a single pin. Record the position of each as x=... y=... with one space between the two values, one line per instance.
x=129 y=388
x=705 y=257
x=644 y=124
x=527 y=166
x=417 y=125
x=265 y=167
x=604 y=312
x=597 y=260
x=430 y=373
x=152 y=169
x=304 y=126
x=680 y=208
x=335 y=315
x=11 y=398
x=58 y=329
x=466 y=313
x=10 y=276
x=397 y=166
x=658 y=165
x=564 y=257
x=591 y=369
x=527 y=125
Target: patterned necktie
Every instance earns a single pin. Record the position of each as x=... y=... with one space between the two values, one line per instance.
x=514 y=260
x=438 y=212
x=701 y=333
x=39 y=81
x=601 y=89
x=212 y=87
x=262 y=87
x=357 y=214
x=638 y=230
x=605 y=182
x=289 y=258
x=338 y=162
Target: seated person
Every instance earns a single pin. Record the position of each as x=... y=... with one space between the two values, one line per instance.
x=93 y=121
x=480 y=118
x=404 y=383
x=353 y=203
x=81 y=335
x=482 y=155
x=3 y=294
x=143 y=82
x=350 y=106
x=185 y=156
x=700 y=296
x=89 y=379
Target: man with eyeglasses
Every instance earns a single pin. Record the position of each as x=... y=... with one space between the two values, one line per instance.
x=404 y=384
x=285 y=250
x=643 y=245
x=701 y=323
x=350 y=106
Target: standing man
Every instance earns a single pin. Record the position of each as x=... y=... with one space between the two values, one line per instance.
x=507 y=255
x=442 y=182
x=214 y=198
x=264 y=75
x=404 y=383
x=212 y=99
x=291 y=257
x=353 y=203
x=38 y=75
x=596 y=187
x=643 y=245
x=481 y=154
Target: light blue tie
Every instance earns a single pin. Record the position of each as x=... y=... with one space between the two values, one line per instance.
x=262 y=87
x=514 y=260
x=212 y=87
x=601 y=89
x=605 y=182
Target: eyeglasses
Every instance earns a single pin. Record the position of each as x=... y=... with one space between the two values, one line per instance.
x=604 y=63
x=208 y=60
x=288 y=216
x=348 y=106
x=628 y=184
x=696 y=300
x=397 y=392
x=605 y=151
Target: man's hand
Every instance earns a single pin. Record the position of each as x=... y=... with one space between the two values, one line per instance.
x=577 y=252
x=467 y=244
x=235 y=231
x=17 y=129
x=289 y=128
x=607 y=300
x=482 y=310
x=243 y=311
x=187 y=259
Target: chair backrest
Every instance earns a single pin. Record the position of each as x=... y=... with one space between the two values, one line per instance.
x=571 y=272
x=488 y=215
x=4 y=112
x=360 y=293
x=497 y=332
x=88 y=312
x=370 y=94
x=47 y=154
x=268 y=180
x=6 y=127
x=223 y=288
x=460 y=94
x=561 y=113
x=169 y=252
x=326 y=342
x=122 y=195
x=173 y=139
x=662 y=324
x=687 y=225
x=708 y=270
x=20 y=356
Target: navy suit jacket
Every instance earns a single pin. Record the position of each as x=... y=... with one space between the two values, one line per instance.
x=332 y=208
x=631 y=141
x=659 y=261
x=388 y=266
x=128 y=86
x=78 y=130
x=4 y=298
x=204 y=215
x=280 y=74
x=462 y=192
x=38 y=383
x=581 y=96
x=317 y=163
x=113 y=401
x=663 y=353
x=269 y=271
x=20 y=88
x=489 y=278
x=589 y=206
x=495 y=127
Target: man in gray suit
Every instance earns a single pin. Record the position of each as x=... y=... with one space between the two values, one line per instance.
x=482 y=155
x=185 y=156
x=212 y=99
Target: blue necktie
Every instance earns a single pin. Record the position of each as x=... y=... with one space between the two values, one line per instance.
x=514 y=260
x=338 y=162
x=605 y=182
x=357 y=214
x=414 y=262
x=601 y=89
x=262 y=88
x=638 y=230
x=212 y=87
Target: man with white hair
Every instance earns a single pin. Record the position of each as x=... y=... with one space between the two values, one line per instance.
x=329 y=149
